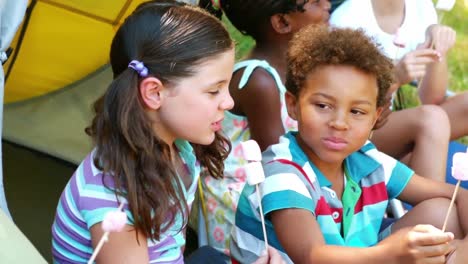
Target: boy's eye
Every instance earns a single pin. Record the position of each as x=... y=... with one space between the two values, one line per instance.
x=357 y=112
x=322 y=106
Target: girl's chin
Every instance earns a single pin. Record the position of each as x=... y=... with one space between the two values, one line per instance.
x=204 y=141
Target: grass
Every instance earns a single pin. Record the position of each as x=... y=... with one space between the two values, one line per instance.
x=243 y=43
x=457 y=18
x=458 y=57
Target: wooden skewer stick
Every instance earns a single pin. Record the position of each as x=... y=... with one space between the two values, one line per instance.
x=460 y=173
x=104 y=238
x=262 y=218
x=255 y=175
x=450 y=206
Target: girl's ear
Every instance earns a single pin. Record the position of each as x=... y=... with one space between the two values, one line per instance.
x=280 y=23
x=150 y=91
x=291 y=103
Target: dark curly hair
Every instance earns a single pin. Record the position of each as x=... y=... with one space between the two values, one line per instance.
x=172 y=40
x=251 y=16
x=317 y=45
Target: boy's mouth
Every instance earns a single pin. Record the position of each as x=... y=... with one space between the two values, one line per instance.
x=335 y=143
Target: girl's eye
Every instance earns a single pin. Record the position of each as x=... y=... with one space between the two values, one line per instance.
x=214 y=92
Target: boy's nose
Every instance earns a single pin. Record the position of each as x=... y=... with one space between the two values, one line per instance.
x=339 y=122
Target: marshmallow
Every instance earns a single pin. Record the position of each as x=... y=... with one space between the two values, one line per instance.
x=251 y=151
x=254 y=173
x=445 y=5
x=460 y=166
x=398 y=40
x=114 y=221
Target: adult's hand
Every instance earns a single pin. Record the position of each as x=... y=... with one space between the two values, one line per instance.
x=413 y=65
x=440 y=37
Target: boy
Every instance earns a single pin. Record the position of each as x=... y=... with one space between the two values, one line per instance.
x=327 y=187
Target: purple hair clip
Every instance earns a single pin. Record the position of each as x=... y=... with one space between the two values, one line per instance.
x=139 y=67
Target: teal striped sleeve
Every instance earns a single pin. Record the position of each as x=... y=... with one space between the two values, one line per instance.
x=400 y=177
x=285 y=190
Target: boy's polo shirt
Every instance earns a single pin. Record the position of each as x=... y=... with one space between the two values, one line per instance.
x=293 y=181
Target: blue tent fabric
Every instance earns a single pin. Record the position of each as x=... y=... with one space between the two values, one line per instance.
x=453 y=148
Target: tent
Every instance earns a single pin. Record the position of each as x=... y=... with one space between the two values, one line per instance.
x=57 y=69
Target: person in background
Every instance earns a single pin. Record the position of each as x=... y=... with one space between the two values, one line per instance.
x=423 y=58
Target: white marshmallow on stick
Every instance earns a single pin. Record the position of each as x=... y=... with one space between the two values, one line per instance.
x=251 y=150
x=445 y=5
x=254 y=172
x=460 y=173
x=399 y=41
x=255 y=175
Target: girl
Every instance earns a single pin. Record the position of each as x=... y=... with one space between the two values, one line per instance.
x=327 y=187
x=416 y=22
x=156 y=125
x=257 y=88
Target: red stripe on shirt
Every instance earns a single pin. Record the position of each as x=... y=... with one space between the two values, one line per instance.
x=371 y=195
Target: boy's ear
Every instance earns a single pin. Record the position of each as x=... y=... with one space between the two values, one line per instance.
x=379 y=112
x=150 y=91
x=377 y=116
x=291 y=103
x=280 y=23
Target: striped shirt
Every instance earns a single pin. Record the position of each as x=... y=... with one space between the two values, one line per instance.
x=85 y=201
x=293 y=181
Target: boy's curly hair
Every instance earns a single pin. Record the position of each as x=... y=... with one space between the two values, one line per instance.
x=317 y=45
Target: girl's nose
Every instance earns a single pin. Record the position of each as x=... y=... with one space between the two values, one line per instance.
x=227 y=103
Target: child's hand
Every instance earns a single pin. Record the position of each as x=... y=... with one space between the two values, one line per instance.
x=413 y=65
x=270 y=257
x=440 y=37
x=420 y=244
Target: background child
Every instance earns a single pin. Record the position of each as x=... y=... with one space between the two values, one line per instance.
x=424 y=58
x=157 y=123
x=257 y=88
x=326 y=189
